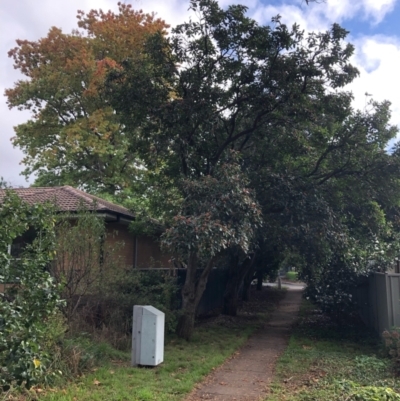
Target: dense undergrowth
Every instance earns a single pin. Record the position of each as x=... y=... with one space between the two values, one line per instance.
x=331 y=361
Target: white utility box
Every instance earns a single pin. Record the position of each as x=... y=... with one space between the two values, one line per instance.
x=147 y=336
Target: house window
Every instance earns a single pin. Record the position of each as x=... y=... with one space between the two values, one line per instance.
x=19 y=244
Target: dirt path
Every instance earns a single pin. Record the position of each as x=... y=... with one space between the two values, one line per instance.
x=247 y=375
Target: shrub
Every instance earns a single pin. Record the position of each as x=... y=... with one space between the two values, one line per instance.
x=355 y=392
x=107 y=314
x=135 y=287
x=391 y=339
x=99 y=291
x=28 y=305
x=83 y=257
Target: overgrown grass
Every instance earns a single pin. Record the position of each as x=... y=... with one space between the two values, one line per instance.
x=185 y=363
x=328 y=361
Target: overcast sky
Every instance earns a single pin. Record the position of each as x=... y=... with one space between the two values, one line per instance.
x=374 y=27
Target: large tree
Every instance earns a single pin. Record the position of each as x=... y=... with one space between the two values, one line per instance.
x=228 y=83
x=224 y=94
x=74 y=136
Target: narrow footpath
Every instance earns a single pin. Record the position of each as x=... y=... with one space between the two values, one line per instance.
x=247 y=375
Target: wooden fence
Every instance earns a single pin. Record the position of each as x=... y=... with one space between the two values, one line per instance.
x=378 y=299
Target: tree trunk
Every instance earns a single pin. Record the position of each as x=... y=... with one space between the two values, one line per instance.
x=192 y=292
x=259 y=280
x=185 y=325
x=231 y=289
x=231 y=297
x=246 y=290
x=247 y=284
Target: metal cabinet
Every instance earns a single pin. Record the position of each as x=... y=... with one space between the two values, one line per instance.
x=147 y=336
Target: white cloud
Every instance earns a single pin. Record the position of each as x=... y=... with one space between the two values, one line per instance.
x=172 y=11
x=377 y=9
x=290 y=14
x=378 y=59
x=319 y=16
x=342 y=10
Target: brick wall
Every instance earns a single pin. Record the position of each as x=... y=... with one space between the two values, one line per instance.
x=148 y=252
x=119 y=235
x=150 y=255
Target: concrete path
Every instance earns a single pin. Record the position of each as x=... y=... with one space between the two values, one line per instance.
x=247 y=375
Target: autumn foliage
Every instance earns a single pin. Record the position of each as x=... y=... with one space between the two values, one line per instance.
x=74 y=135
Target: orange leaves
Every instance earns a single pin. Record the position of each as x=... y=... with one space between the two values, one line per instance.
x=119 y=34
x=72 y=129
x=99 y=75
x=83 y=58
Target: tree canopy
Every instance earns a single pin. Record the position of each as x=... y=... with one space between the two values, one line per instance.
x=74 y=136
x=236 y=135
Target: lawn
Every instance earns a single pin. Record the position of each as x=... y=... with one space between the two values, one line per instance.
x=185 y=363
x=336 y=362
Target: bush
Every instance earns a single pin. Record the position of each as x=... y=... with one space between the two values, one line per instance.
x=107 y=314
x=332 y=289
x=99 y=291
x=391 y=339
x=80 y=257
x=29 y=304
x=135 y=287
x=355 y=392
x=79 y=354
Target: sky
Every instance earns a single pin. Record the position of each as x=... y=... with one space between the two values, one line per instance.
x=373 y=25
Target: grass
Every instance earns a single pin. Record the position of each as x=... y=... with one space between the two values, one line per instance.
x=327 y=361
x=185 y=363
x=292 y=276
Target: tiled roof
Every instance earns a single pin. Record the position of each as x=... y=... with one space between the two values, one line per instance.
x=68 y=199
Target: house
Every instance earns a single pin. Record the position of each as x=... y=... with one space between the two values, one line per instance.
x=136 y=251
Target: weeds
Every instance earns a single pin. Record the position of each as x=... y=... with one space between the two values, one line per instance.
x=106 y=374
x=329 y=361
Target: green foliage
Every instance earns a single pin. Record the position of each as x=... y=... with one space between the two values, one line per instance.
x=73 y=136
x=185 y=363
x=391 y=340
x=331 y=284
x=125 y=288
x=219 y=212
x=367 y=393
x=30 y=298
x=82 y=255
x=291 y=276
x=330 y=361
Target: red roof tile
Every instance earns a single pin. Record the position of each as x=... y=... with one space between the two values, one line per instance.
x=68 y=199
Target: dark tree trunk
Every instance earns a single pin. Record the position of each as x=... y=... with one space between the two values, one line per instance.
x=185 y=326
x=231 y=300
x=246 y=290
x=191 y=294
x=247 y=284
x=259 y=275
x=231 y=297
